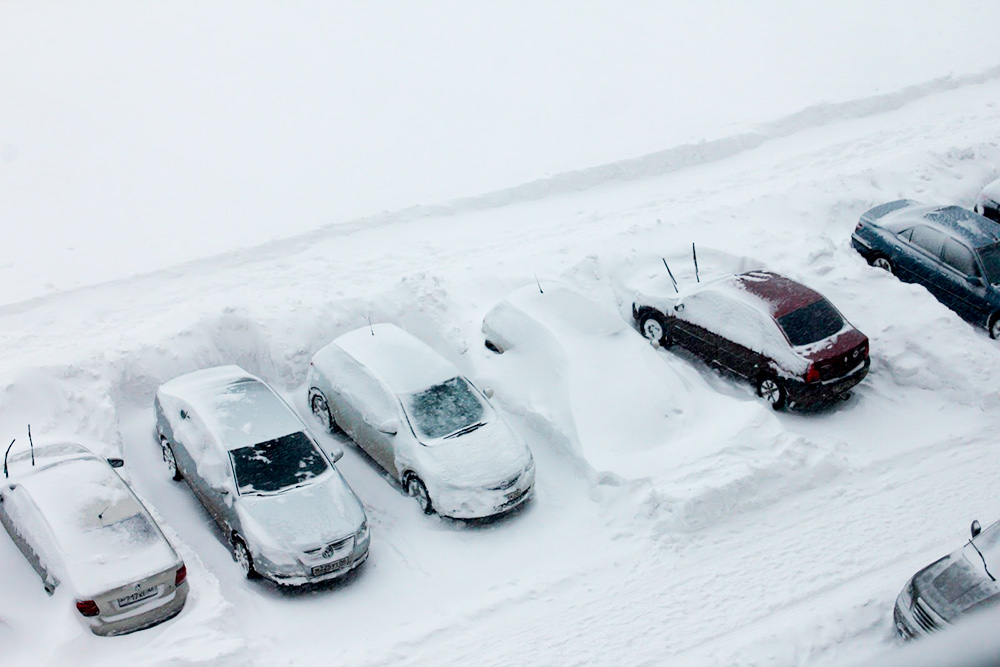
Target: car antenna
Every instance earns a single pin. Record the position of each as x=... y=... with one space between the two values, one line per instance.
x=538 y=283
x=973 y=543
x=32 y=443
x=5 y=458
x=694 y=254
x=669 y=273
x=101 y=515
x=370 y=324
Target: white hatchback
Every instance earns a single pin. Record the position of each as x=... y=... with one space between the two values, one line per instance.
x=431 y=428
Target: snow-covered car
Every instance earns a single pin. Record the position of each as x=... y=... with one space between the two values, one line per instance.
x=280 y=501
x=951 y=251
x=576 y=363
x=962 y=582
x=81 y=526
x=988 y=202
x=428 y=426
x=785 y=338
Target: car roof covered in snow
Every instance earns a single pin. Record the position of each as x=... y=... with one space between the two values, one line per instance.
x=399 y=359
x=559 y=306
x=238 y=407
x=765 y=291
x=954 y=221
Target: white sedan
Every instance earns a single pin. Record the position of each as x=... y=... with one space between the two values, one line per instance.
x=420 y=419
x=79 y=525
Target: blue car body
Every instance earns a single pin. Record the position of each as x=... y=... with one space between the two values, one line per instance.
x=951 y=251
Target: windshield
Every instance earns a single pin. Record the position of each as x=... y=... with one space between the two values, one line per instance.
x=276 y=465
x=444 y=408
x=811 y=323
x=991 y=262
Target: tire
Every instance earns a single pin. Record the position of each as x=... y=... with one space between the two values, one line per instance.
x=772 y=390
x=242 y=555
x=321 y=409
x=882 y=262
x=170 y=459
x=654 y=329
x=993 y=327
x=416 y=488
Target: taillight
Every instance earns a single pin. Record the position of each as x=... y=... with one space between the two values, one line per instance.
x=812 y=375
x=182 y=574
x=858 y=226
x=87 y=607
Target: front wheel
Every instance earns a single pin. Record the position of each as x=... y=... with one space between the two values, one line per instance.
x=416 y=488
x=654 y=329
x=772 y=390
x=880 y=262
x=994 y=326
x=321 y=409
x=170 y=460
x=242 y=555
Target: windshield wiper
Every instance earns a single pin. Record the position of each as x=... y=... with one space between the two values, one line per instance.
x=972 y=542
x=462 y=431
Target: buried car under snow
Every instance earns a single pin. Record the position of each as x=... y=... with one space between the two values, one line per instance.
x=785 y=338
x=281 y=503
x=420 y=419
x=81 y=526
x=988 y=202
x=952 y=252
x=947 y=589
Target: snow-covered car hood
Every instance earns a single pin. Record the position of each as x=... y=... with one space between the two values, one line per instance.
x=304 y=517
x=491 y=454
x=956 y=584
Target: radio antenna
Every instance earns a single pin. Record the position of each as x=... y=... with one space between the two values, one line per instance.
x=31 y=442
x=540 y=291
x=370 y=327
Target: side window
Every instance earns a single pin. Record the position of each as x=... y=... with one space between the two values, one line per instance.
x=361 y=389
x=958 y=257
x=929 y=239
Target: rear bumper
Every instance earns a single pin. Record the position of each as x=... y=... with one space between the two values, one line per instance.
x=163 y=609
x=815 y=392
x=862 y=246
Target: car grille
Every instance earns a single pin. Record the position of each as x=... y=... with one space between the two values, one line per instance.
x=332 y=548
x=922 y=616
x=506 y=484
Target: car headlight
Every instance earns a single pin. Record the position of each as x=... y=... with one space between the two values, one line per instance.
x=363 y=531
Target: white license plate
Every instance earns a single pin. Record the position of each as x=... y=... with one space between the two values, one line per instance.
x=332 y=566
x=129 y=600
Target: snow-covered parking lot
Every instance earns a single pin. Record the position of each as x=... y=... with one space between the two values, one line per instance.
x=745 y=536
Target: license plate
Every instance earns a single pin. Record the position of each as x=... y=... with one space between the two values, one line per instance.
x=129 y=600
x=332 y=566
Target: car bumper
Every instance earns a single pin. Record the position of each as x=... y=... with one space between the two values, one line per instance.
x=816 y=392
x=482 y=503
x=859 y=244
x=162 y=609
x=312 y=573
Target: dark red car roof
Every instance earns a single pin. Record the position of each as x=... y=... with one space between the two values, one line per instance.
x=781 y=294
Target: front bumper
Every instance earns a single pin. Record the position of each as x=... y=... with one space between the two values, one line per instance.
x=309 y=572
x=815 y=392
x=482 y=503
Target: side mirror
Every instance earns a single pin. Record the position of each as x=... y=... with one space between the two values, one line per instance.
x=222 y=490
x=336 y=454
x=488 y=392
x=389 y=426
x=679 y=307
x=115 y=462
x=976 y=528
x=975 y=280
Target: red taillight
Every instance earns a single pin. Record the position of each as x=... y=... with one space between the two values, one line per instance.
x=87 y=607
x=858 y=226
x=182 y=574
x=812 y=375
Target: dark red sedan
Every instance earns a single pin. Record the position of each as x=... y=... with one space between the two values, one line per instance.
x=785 y=338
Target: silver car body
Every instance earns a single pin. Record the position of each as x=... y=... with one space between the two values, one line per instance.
x=81 y=526
x=301 y=533
x=369 y=377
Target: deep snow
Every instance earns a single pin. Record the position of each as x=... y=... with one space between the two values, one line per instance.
x=782 y=539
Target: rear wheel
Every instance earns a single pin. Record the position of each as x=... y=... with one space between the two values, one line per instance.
x=170 y=460
x=654 y=329
x=772 y=390
x=416 y=488
x=994 y=326
x=882 y=262
x=241 y=554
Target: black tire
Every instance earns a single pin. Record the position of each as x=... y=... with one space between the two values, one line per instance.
x=320 y=408
x=242 y=555
x=882 y=262
x=653 y=328
x=170 y=459
x=772 y=390
x=418 y=490
x=993 y=326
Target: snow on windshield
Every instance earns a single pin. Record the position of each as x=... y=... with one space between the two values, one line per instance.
x=278 y=464
x=443 y=408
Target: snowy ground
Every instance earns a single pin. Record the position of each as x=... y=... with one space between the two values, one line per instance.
x=778 y=539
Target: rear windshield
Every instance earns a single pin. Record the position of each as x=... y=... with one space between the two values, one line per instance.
x=990 y=255
x=276 y=465
x=811 y=323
